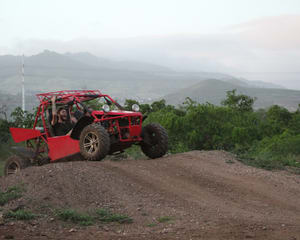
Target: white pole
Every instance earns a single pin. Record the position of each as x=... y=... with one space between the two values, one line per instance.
x=23 y=83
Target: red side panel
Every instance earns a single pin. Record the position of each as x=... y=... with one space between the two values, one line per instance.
x=62 y=146
x=23 y=134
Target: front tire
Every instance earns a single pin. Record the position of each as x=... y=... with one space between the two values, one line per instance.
x=14 y=164
x=94 y=142
x=155 y=140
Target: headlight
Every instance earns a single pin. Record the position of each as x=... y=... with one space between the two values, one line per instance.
x=135 y=107
x=106 y=108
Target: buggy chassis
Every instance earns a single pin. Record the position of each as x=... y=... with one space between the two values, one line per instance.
x=115 y=131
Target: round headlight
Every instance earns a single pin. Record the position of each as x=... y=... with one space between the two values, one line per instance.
x=135 y=107
x=106 y=108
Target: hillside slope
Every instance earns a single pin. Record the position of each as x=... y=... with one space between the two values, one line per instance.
x=50 y=71
x=214 y=91
x=204 y=195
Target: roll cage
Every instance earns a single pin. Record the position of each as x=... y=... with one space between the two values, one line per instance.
x=124 y=127
x=67 y=97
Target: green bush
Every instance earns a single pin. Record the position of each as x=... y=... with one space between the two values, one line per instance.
x=75 y=217
x=105 y=215
x=263 y=138
x=84 y=219
x=164 y=219
x=4 y=131
x=10 y=194
x=20 y=215
x=206 y=126
x=275 y=152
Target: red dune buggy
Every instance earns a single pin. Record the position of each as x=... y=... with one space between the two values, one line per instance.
x=96 y=134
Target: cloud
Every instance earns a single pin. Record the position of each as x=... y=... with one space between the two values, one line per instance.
x=260 y=47
x=274 y=33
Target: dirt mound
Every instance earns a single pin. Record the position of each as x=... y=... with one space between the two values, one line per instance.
x=200 y=194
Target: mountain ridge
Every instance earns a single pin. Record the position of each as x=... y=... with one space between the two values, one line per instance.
x=214 y=91
x=52 y=71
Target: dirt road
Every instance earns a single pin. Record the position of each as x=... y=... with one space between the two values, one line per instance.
x=203 y=195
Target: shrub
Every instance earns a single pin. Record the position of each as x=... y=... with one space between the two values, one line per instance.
x=20 y=215
x=164 y=219
x=275 y=152
x=75 y=217
x=10 y=194
x=105 y=215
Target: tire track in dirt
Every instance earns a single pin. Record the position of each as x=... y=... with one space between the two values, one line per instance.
x=208 y=195
x=214 y=190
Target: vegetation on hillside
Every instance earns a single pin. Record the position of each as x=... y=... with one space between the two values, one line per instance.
x=267 y=138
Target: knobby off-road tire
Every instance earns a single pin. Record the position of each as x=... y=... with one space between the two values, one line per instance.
x=14 y=164
x=155 y=142
x=94 y=142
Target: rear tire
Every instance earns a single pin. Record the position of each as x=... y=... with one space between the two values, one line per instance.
x=94 y=142
x=14 y=164
x=155 y=142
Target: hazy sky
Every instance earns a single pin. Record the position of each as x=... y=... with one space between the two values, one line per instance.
x=254 y=38
x=69 y=19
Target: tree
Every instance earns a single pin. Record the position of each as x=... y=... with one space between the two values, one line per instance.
x=240 y=102
x=3 y=110
x=188 y=104
x=158 y=105
x=279 y=114
x=22 y=118
x=4 y=131
x=94 y=104
x=145 y=108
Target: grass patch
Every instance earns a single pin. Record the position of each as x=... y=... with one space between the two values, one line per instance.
x=270 y=161
x=105 y=215
x=20 y=214
x=75 y=217
x=151 y=225
x=2 y=163
x=102 y=215
x=277 y=152
x=164 y=219
x=11 y=193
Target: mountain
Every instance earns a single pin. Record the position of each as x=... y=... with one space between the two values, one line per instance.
x=258 y=84
x=50 y=71
x=214 y=91
x=87 y=58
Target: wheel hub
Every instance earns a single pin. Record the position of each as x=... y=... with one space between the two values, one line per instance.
x=91 y=142
x=13 y=168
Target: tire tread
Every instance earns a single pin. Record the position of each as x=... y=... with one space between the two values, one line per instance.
x=104 y=142
x=161 y=148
